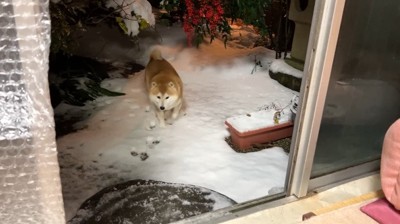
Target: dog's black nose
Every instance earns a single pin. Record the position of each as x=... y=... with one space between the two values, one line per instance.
x=162 y=108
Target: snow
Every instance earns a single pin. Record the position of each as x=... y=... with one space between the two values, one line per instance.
x=218 y=84
x=280 y=65
x=257 y=120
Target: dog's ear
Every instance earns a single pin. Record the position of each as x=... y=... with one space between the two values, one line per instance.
x=171 y=84
x=153 y=84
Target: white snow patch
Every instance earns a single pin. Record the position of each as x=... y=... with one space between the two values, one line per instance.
x=280 y=65
x=257 y=120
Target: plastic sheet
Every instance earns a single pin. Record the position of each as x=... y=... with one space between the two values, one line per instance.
x=30 y=189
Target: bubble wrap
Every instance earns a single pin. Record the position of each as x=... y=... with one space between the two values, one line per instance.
x=30 y=189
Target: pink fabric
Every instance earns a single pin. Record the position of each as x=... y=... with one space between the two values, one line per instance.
x=382 y=211
x=390 y=165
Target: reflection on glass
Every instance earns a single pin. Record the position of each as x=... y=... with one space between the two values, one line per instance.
x=363 y=96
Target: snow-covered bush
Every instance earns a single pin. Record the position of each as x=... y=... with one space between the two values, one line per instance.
x=135 y=14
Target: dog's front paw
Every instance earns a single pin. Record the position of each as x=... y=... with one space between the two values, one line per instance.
x=175 y=115
x=162 y=124
x=170 y=121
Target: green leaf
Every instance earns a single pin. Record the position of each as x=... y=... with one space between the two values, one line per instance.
x=122 y=24
x=143 y=24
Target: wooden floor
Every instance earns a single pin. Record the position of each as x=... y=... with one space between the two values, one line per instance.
x=345 y=212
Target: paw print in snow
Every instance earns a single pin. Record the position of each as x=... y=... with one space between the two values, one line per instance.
x=144 y=156
x=152 y=125
x=151 y=141
x=157 y=141
x=133 y=153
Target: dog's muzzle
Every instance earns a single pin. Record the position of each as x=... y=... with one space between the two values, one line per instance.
x=162 y=108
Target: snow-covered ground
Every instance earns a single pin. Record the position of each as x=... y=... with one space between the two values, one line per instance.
x=117 y=144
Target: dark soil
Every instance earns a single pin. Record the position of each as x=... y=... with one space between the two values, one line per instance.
x=141 y=201
x=65 y=126
x=283 y=143
x=286 y=80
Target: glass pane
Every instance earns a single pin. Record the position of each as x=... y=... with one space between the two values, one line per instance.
x=363 y=96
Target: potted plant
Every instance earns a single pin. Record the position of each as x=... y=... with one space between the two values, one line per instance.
x=269 y=124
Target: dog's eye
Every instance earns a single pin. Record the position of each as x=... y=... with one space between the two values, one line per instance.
x=159 y=97
x=167 y=97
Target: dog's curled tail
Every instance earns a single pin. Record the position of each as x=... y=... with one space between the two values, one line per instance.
x=156 y=54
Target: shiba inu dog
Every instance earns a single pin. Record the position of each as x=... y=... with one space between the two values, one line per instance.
x=164 y=86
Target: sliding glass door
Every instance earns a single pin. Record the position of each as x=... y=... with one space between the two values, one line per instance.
x=363 y=96
x=350 y=93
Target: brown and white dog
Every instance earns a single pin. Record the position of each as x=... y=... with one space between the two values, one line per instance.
x=164 y=87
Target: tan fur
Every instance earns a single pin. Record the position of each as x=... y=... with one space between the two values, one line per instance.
x=164 y=86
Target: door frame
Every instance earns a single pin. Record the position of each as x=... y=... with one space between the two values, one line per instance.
x=321 y=50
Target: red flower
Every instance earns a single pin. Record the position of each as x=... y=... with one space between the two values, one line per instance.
x=209 y=12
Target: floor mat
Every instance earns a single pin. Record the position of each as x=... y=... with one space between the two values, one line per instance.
x=382 y=211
